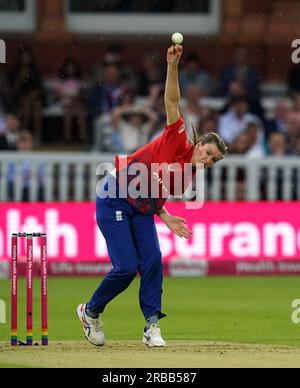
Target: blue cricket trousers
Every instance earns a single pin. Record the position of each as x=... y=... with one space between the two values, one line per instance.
x=133 y=246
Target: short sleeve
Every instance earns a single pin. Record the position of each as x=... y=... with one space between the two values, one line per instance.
x=176 y=136
x=176 y=126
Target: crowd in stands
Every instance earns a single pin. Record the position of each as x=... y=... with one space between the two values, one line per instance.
x=118 y=108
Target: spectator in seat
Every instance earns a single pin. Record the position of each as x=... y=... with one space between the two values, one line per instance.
x=241 y=145
x=250 y=143
x=256 y=141
x=293 y=133
x=12 y=128
x=194 y=74
x=106 y=138
x=9 y=132
x=280 y=121
x=134 y=125
x=69 y=94
x=236 y=120
x=240 y=71
x=26 y=92
x=237 y=88
x=277 y=145
x=114 y=56
x=104 y=97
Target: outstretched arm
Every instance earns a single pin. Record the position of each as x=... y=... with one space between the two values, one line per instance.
x=172 y=90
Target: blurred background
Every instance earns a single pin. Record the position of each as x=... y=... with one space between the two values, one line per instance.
x=84 y=80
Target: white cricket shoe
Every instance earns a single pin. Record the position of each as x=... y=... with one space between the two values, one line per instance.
x=152 y=337
x=92 y=328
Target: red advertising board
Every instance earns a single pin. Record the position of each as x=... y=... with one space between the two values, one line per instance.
x=229 y=238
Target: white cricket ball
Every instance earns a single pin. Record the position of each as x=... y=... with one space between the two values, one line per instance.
x=177 y=38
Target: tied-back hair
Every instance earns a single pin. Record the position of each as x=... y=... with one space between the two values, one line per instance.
x=210 y=138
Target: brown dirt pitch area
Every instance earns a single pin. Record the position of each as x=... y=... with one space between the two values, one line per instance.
x=131 y=354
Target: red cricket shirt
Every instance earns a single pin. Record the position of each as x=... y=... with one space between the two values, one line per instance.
x=171 y=147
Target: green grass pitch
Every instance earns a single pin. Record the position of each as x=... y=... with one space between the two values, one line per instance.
x=248 y=310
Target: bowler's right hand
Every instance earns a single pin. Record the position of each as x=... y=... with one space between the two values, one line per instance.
x=174 y=54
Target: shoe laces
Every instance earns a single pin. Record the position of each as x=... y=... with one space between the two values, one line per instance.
x=98 y=325
x=95 y=322
x=155 y=330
